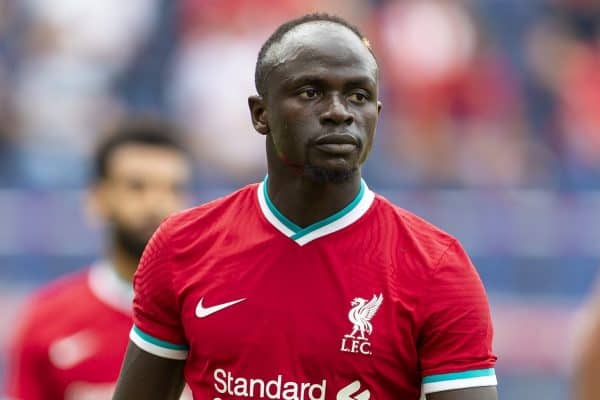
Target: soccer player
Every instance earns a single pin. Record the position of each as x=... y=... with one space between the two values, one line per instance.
x=308 y=285
x=73 y=335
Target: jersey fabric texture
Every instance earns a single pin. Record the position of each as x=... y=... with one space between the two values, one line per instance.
x=370 y=303
x=72 y=338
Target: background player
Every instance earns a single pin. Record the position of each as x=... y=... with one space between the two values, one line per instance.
x=309 y=285
x=73 y=333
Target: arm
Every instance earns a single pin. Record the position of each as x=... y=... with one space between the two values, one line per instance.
x=146 y=376
x=586 y=363
x=155 y=356
x=479 y=393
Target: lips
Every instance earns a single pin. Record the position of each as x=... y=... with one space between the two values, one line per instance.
x=337 y=144
x=336 y=138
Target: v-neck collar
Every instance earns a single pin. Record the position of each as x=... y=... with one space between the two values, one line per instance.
x=341 y=219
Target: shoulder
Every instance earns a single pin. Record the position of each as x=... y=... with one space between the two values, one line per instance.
x=52 y=303
x=60 y=291
x=415 y=235
x=184 y=238
x=221 y=211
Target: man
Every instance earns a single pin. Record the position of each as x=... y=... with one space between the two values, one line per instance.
x=308 y=285
x=73 y=335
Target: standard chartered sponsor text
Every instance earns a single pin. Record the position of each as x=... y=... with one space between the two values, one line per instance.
x=232 y=387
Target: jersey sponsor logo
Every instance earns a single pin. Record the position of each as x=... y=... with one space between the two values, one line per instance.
x=360 y=316
x=232 y=387
x=353 y=392
x=69 y=351
x=202 y=312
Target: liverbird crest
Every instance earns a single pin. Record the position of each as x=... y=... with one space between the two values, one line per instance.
x=361 y=313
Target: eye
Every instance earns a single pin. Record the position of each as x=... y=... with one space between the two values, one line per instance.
x=309 y=93
x=358 y=97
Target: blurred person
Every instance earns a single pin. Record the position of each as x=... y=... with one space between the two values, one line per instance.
x=455 y=114
x=308 y=285
x=70 y=54
x=563 y=50
x=72 y=334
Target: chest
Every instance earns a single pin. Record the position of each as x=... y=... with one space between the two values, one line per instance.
x=86 y=357
x=327 y=308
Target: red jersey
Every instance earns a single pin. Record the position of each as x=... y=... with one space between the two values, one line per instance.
x=72 y=338
x=370 y=303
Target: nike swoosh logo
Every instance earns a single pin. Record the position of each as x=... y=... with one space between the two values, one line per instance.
x=202 y=312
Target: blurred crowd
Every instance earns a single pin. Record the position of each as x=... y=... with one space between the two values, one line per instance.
x=479 y=93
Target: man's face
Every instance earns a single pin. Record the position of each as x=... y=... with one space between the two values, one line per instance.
x=322 y=101
x=144 y=184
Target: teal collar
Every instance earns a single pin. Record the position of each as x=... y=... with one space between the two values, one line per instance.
x=341 y=219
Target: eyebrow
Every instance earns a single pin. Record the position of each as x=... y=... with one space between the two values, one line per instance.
x=293 y=81
x=361 y=82
x=308 y=78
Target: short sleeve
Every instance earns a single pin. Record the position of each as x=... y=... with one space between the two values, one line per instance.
x=455 y=346
x=156 y=317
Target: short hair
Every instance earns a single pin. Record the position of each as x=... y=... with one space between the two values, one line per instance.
x=143 y=130
x=260 y=70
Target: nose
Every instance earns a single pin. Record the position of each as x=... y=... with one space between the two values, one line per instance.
x=336 y=113
x=160 y=202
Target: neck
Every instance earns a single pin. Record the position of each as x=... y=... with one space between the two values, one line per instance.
x=304 y=201
x=123 y=263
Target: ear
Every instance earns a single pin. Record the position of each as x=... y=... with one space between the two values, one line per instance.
x=379 y=105
x=259 y=114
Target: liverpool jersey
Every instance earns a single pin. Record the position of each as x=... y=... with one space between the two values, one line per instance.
x=72 y=338
x=369 y=303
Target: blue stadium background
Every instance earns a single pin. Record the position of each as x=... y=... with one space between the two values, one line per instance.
x=490 y=130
